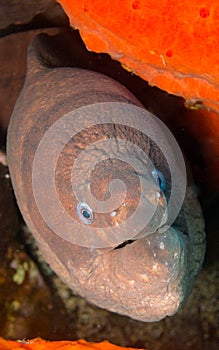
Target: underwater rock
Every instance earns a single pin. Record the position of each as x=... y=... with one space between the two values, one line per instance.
x=8 y=210
x=15 y=12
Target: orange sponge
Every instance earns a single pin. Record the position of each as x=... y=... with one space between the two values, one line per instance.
x=170 y=43
x=40 y=344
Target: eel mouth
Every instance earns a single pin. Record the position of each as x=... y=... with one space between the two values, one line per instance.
x=145 y=279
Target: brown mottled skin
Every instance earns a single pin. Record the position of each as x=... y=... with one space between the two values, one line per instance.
x=122 y=279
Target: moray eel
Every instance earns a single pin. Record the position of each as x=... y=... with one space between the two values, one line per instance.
x=101 y=183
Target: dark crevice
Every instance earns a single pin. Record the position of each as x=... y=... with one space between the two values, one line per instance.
x=123 y=244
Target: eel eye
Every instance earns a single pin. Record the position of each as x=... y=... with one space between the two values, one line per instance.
x=160 y=179
x=85 y=213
